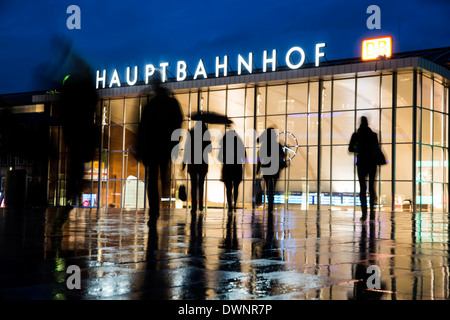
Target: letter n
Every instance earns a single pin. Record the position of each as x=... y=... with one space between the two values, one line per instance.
x=74 y=281
x=74 y=21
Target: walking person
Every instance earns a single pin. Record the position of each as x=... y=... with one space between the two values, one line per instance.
x=160 y=117
x=198 y=145
x=232 y=155
x=364 y=143
x=271 y=161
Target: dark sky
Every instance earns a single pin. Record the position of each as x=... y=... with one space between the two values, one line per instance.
x=117 y=34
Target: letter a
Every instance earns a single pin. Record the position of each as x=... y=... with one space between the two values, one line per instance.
x=74 y=21
x=373 y=282
x=74 y=281
x=374 y=21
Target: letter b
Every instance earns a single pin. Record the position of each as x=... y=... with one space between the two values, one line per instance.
x=74 y=21
x=74 y=281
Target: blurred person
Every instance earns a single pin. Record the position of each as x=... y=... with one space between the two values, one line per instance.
x=364 y=143
x=198 y=145
x=160 y=117
x=232 y=155
x=271 y=161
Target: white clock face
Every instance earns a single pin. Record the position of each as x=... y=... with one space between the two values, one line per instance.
x=290 y=144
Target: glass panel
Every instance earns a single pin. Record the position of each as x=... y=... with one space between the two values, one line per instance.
x=235 y=103
x=438 y=96
x=326 y=95
x=386 y=170
x=385 y=135
x=403 y=196
x=276 y=99
x=297 y=98
x=217 y=101
x=404 y=125
x=114 y=193
x=115 y=137
x=215 y=194
x=132 y=108
x=313 y=97
x=344 y=94
x=183 y=100
x=297 y=167
x=325 y=130
x=368 y=92
x=312 y=163
x=427 y=92
x=438 y=129
x=313 y=128
x=298 y=125
x=386 y=91
x=261 y=101
x=424 y=197
x=115 y=165
x=116 y=111
x=250 y=102
x=426 y=126
x=342 y=164
x=193 y=102
x=278 y=122
x=385 y=196
x=426 y=164
x=325 y=163
x=343 y=127
x=403 y=163
x=404 y=89
x=438 y=165
x=438 y=197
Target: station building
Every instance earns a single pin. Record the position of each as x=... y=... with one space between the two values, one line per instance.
x=315 y=109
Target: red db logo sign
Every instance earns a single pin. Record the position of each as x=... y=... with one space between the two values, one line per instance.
x=376 y=47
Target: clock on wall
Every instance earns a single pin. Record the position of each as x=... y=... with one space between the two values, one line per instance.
x=290 y=144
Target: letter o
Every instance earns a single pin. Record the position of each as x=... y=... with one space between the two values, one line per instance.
x=288 y=57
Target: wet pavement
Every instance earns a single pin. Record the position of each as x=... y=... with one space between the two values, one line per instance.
x=292 y=255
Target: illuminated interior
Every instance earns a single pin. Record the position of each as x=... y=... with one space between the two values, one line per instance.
x=322 y=115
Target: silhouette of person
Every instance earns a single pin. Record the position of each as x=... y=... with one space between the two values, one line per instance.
x=232 y=155
x=271 y=154
x=78 y=105
x=364 y=143
x=198 y=144
x=160 y=117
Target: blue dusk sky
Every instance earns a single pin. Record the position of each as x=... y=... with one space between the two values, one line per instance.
x=116 y=34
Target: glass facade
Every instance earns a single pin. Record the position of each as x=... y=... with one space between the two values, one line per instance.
x=408 y=109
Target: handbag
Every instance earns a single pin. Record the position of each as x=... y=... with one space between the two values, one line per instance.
x=380 y=158
x=182 y=193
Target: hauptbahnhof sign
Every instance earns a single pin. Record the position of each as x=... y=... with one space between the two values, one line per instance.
x=221 y=67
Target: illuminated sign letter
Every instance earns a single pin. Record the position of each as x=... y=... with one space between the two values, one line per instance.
x=318 y=53
x=242 y=62
x=288 y=57
x=115 y=79
x=102 y=78
x=272 y=60
x=373 y=48
x=223 y=66
x=181 y=70
x=149 y=71
x=164 y=66
x=200 y=70
x=136 y=73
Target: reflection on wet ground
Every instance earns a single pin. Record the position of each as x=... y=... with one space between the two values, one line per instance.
x=247 y=255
